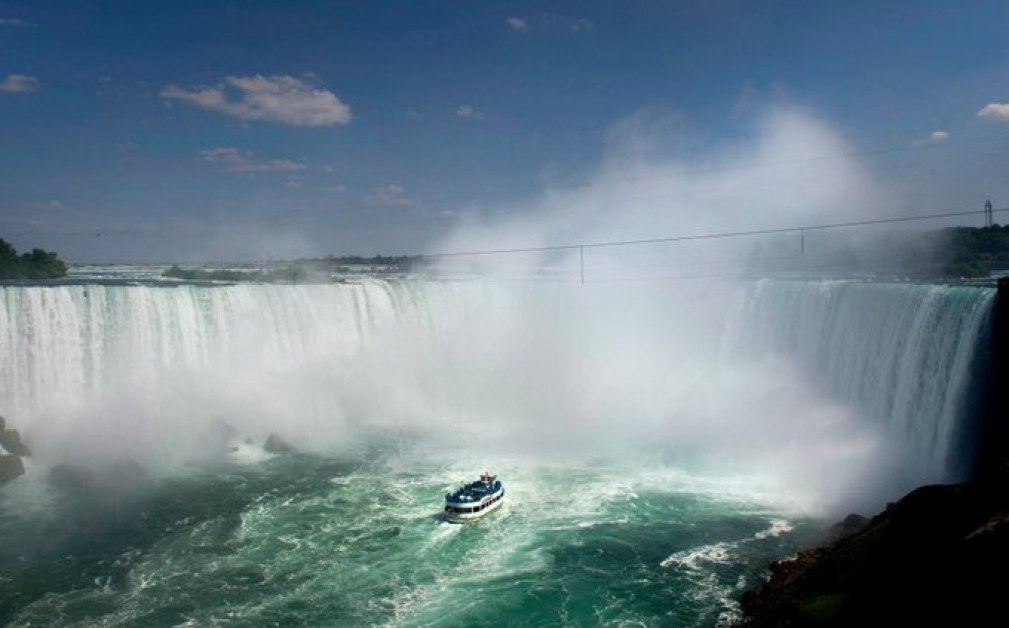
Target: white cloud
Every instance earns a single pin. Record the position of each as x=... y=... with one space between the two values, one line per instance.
x=389 y=196
x=467 y=111
x=234 y=160
x=933 y=138
x=13 y=21
x=275 y=98
x=19 y=83
x=999 y=111
x=517 y=24
x=550 y=22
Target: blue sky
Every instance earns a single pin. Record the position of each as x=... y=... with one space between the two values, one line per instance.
x=164 y=131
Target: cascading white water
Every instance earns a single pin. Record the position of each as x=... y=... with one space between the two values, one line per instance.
x=901 y=353
x=730 y=372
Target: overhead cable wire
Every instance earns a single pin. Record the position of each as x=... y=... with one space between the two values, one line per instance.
x=707 y=236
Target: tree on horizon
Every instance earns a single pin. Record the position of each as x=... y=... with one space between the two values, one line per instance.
x=39 y=264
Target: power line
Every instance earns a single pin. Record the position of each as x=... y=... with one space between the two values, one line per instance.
x=708 y=236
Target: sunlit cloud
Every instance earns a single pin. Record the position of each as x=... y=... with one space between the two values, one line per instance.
x=234 y=160
x=282 y=99
x=935 y=137
x=467 y=111
x=517 y=24
x=995 y=110
x=19 y=83
x=389 y=196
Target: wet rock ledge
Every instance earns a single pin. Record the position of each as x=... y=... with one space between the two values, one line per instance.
x=937 y=557
x=11 y=451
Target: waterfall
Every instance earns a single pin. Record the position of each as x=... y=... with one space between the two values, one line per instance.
x=561 y=361
x=66 y=343
x=902 y=353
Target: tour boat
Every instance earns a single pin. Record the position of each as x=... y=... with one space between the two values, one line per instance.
x=474 y=500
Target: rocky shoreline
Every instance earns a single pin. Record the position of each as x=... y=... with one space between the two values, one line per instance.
x=934 y=558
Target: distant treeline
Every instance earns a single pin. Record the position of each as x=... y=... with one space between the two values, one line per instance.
x=202 y=274
x=973 y=252
x=400 y=263
x=38 y=264
x=933 y=255
x=308 y=270
x=925 y=255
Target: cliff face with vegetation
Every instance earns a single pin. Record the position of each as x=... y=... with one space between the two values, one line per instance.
x=38 y=264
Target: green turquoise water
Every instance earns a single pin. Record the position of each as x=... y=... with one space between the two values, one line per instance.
x=358 y=540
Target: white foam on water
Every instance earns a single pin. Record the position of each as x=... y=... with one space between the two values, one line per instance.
x=248 y=452
x=696 y=558
x=778 y=527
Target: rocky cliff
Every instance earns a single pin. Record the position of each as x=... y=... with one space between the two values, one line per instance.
x=934 y=558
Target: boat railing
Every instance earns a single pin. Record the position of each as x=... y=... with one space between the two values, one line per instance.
x=477 y=489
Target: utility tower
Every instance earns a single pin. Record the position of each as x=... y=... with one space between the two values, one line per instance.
x=989 y=218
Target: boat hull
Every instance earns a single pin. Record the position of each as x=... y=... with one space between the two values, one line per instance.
x=464 y=512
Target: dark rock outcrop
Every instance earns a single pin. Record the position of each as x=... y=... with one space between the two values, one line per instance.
x=852 y=524
x=276 y=445
x=987 y=442
x=934 y=558
x=10 y=467
x=11 y=441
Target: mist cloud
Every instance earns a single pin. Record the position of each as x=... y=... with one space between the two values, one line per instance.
x=790 y=170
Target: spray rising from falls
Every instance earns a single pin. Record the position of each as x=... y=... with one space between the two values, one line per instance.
x=829 y=385
x=905 y=355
